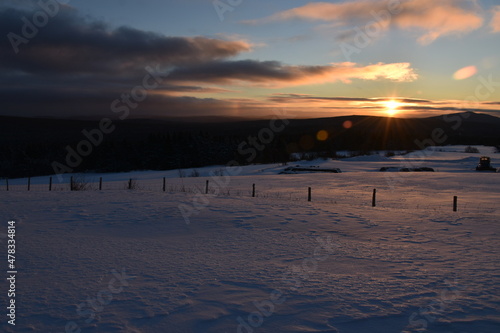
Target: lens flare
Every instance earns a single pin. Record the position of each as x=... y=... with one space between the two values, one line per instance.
x=322 y=135
x=347 y=124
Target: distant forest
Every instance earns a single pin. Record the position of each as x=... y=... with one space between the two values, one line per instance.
x=29 y=147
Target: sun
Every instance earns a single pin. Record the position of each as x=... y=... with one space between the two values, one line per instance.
x=391 y=107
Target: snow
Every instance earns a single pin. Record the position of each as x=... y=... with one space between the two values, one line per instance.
x=272 y=263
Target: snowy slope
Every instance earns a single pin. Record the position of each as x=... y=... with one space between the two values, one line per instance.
x=273 y=263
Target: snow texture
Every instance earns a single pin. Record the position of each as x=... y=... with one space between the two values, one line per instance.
x=122 y=260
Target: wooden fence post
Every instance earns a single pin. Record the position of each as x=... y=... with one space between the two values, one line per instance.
x=130 y=184
x=206 y=187
x=253 y=191
x=50 y=184
x=7 y=183
x=29 y=183
x=374 y=198
x=309 y=194
x=71 y=187
x=164 y=183
x=100 y=183
x=455 y=203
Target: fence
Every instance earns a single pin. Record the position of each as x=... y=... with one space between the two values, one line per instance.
x=245 y=186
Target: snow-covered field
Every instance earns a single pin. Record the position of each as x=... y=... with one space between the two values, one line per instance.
x=145 y=260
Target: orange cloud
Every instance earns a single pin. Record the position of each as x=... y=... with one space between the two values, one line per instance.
x=495 y=22
x=439 y=18
x=407 y=107
x=346 y=71
x=436 y=18
x=274 y=74
x=465 y=73
x=326 y=11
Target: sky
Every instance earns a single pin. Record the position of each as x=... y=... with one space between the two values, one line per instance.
x=242 y=58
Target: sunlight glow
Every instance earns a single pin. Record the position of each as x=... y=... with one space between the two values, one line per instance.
x=391 y=107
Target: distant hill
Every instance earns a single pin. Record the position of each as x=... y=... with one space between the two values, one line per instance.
x=28 y=146
x=471 y=117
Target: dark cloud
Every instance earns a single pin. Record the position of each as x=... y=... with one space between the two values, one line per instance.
x=77 y=66
x=242 y=70
x=71 y=44
x=467 y=107
x=274 y=73
x=286 y=98
x=291 y=97
x=95 y=103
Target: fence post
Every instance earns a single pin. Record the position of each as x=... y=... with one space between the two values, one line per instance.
x=455 y=202
x=206 y=187
x=29 y=183
x=309 y=194
x=130 y=184
x=50 y=184
x=71 y=187
x=253 y=191
x=100 y=183
x=374 y=198
x=7 y=183
x=164 y=184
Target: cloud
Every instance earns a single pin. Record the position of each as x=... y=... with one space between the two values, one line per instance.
x=409 y=107
x=435 y=18
x=495 y=22
x=439 y=18
x=70 y=43
x=276 y=74
x=287 y=98
x=48 y=102
x=465 y=73
x=283 y=97
x=325 y=11
x=77 y=66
